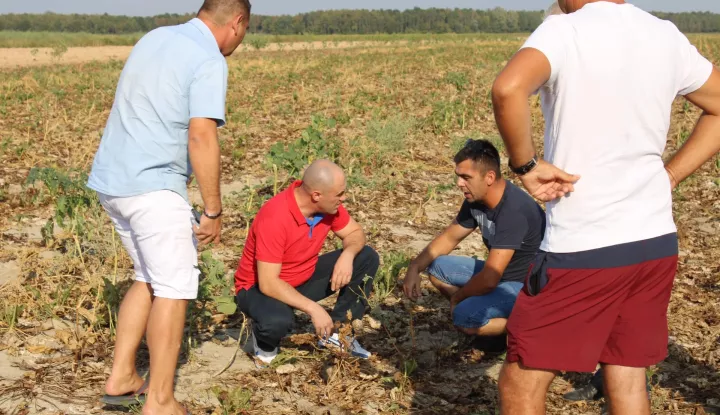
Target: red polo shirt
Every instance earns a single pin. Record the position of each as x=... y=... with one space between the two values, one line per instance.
x=280 y=234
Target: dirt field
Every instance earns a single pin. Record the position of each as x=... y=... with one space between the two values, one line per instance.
x=24 y=57
x=392 y=114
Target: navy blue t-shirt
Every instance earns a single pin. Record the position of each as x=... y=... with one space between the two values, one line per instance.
x=517 y=223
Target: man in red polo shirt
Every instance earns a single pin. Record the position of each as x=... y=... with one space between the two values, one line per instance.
x=281 y=269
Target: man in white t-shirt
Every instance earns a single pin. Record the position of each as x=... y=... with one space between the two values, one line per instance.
x=598 y=292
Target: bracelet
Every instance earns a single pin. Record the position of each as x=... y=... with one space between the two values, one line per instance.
x=522 y=170
x=212 y=216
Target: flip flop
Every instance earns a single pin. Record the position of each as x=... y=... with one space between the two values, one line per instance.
x=128 y=399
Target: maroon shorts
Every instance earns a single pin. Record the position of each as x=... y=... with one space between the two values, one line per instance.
x=607 y=305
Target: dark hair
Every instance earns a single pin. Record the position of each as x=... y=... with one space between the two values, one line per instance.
x=481 y=152
x=226 y=8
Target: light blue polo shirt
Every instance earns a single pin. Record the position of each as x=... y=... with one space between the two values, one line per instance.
x=173 y=74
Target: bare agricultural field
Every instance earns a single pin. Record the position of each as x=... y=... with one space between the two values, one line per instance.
x=16 y=57
x=21 y=57
x=392 y=115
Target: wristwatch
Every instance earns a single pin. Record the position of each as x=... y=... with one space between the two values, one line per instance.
x=212 y=216
x=524 y=169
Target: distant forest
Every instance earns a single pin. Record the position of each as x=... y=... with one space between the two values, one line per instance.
x=336 y=22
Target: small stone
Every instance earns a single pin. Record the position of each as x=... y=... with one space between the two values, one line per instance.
x=286 y=369
x=15 y=189
x=9 y=272
x=357 y=326
x=427 y=359
x=374 y=324
x=56 y=324
x=48 y=255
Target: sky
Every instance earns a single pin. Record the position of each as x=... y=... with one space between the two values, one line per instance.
x=276 y=7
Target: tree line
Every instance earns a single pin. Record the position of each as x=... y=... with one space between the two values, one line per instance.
x=415 y=20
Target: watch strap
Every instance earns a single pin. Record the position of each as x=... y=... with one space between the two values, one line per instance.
x=212 y=216
x=524 y=169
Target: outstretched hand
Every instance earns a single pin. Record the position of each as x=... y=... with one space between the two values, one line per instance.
x=546 y=182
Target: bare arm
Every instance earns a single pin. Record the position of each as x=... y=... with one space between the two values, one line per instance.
x=353 y=239
x=486 y=280
x=526 y=72
x=271 y=285
x=704 y=142
x=204 y=151
x=443 y=244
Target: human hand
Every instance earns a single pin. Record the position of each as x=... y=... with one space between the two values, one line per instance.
x=322 y=322
x=208 y=231
x=411 y=285
x=342 y=273
x=546 y=182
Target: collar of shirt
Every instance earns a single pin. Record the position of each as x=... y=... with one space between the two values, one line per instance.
x=205 y=30
x=295 y=209
x=314 y=221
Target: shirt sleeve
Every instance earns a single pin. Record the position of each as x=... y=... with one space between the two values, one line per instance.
x=208 y=91
x=694 y=69
x=465 y=217
x=510 y=234
x=549 y=38
x=341 y=220
x=269 y=241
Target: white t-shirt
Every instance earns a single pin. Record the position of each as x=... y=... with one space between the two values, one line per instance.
x=616 y=71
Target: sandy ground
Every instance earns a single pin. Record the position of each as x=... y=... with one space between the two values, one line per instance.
x=22 y=57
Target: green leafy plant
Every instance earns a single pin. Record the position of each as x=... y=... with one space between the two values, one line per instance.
x=258 y=42
x=448 y=114
x=457 y=79
x=214 y=286
x=10 y=314
x=385 y=281
x=312 y=145
x=232 y=401
x=73 y=199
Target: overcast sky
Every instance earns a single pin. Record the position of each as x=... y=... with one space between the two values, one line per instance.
x=274 y=7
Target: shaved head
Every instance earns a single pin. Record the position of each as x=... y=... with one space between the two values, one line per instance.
x=221 y=11
x=322 y=175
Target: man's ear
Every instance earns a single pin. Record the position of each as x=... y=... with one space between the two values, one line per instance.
x=490 y=177
x=237 y=21
x=315 y=196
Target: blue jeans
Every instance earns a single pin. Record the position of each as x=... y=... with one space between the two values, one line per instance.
x=475 y=312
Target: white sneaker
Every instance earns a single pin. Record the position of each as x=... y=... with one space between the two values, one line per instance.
x=356 y=349
x=262 y=359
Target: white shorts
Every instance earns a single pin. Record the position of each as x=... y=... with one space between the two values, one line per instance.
x=157 y=231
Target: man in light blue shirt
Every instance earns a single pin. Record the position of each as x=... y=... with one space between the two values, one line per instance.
x=162 y=128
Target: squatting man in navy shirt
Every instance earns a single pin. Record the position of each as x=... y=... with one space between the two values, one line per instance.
x=482 y=293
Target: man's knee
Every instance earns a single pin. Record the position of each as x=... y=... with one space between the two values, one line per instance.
x=369 y=259
x=438 y=268
x=274 y=326
x=367 y=262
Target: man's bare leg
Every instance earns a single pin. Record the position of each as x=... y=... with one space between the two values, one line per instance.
x=131 y=325
x=164 y=336
x=446 y=290
x=625 y=389
x=495 y=327
x=523 y=390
